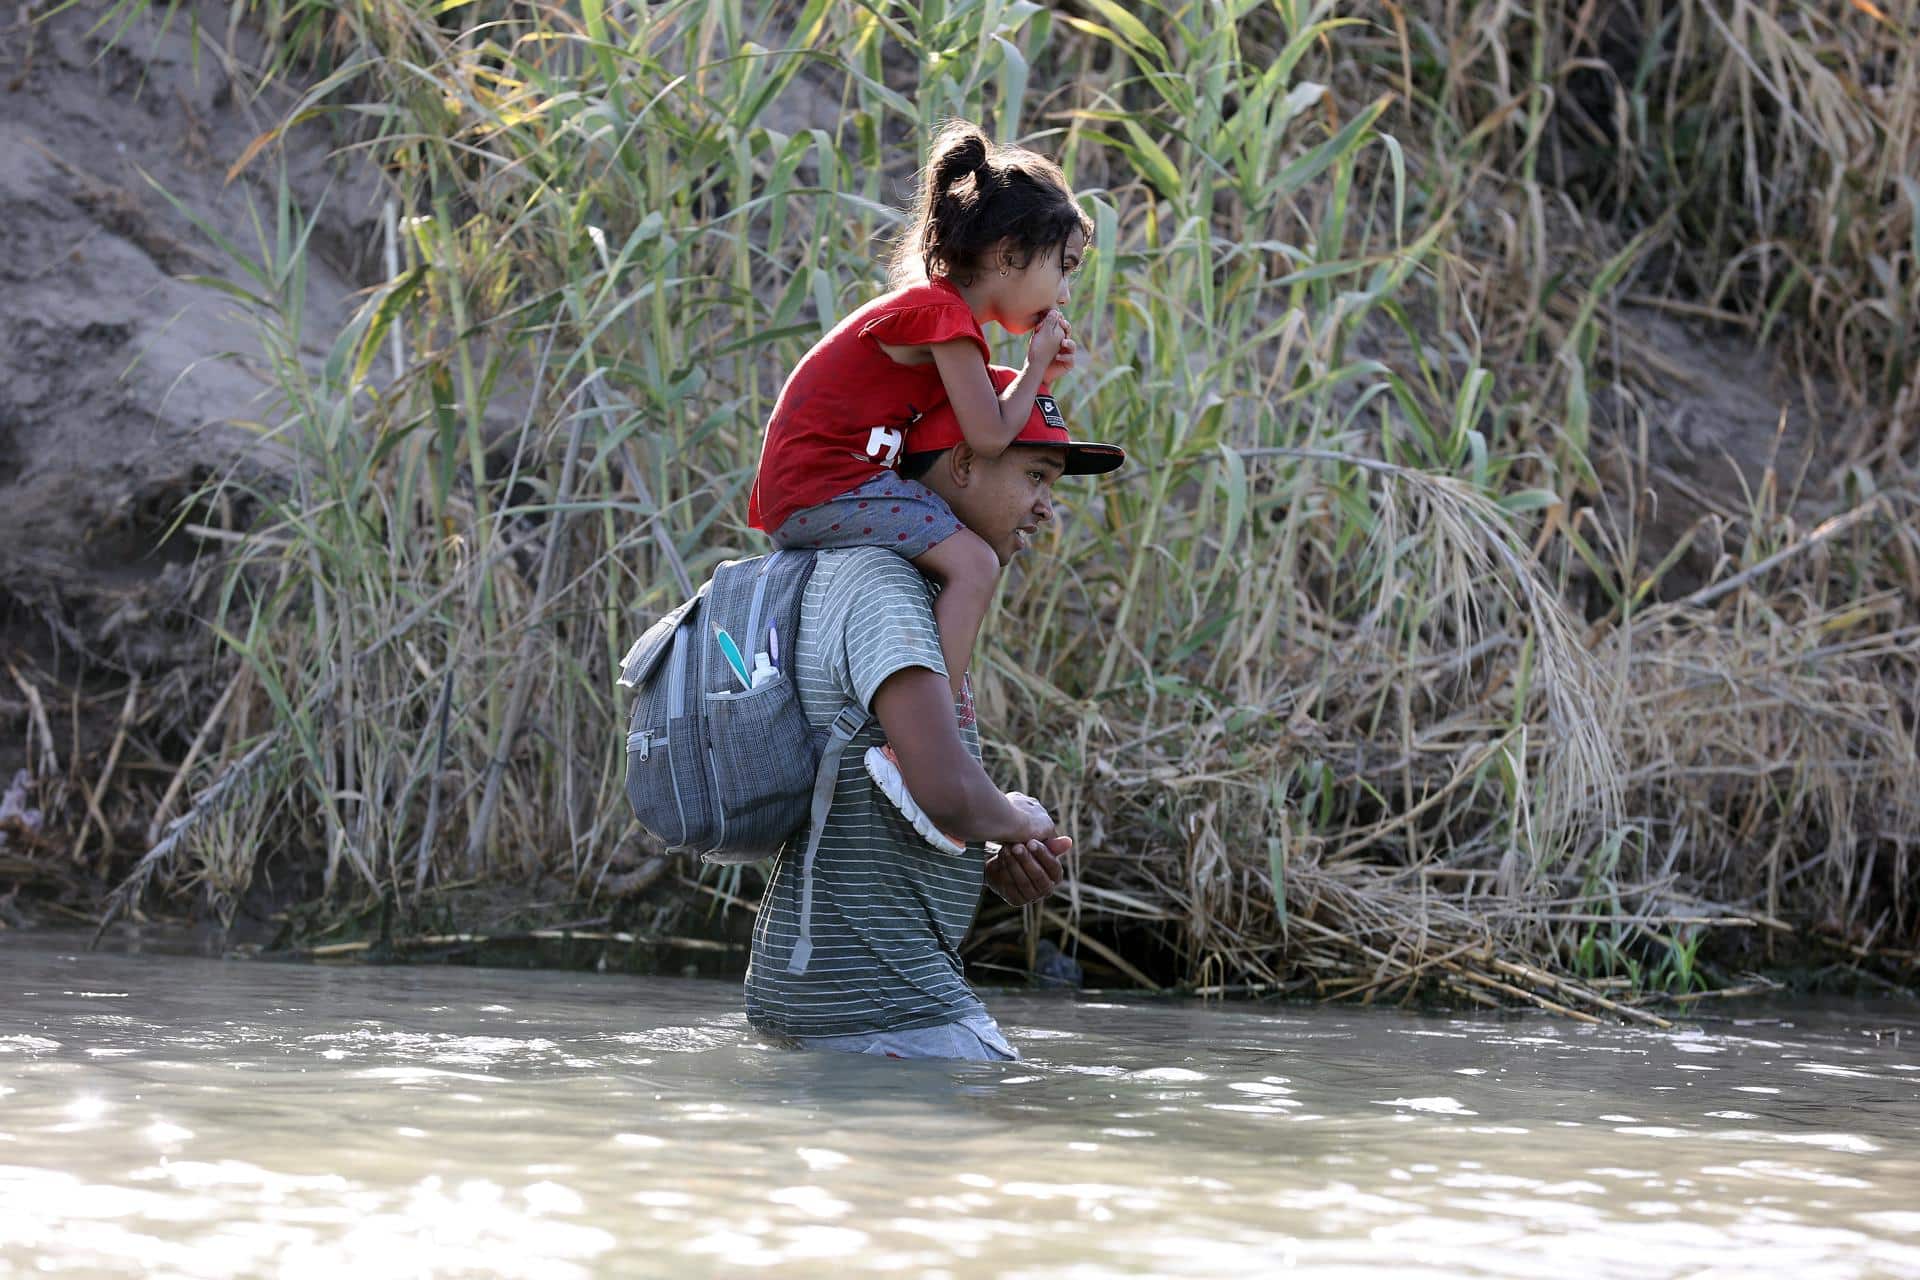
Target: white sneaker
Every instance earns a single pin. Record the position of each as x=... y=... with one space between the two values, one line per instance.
x=884 y=768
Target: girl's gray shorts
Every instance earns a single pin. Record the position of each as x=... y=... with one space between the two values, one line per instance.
x=974 y=1038
x=887 y=511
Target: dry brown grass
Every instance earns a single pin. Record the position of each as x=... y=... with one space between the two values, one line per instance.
x=1360 y=679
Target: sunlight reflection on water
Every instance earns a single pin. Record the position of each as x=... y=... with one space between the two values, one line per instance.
x=249 y=1119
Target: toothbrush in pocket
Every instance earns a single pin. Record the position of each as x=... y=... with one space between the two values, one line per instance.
x=731 y=652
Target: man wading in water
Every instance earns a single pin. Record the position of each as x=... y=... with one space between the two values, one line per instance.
x=888 y=910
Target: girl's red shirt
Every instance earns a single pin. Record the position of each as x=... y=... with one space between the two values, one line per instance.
x=842 y=418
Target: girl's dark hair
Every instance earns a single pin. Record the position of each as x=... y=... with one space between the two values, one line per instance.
x=976 y=195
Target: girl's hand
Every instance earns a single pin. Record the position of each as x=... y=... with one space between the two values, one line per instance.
x=1063 y=361
x=1046 y=340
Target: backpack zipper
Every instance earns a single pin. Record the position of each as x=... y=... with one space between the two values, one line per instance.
x=677 y=690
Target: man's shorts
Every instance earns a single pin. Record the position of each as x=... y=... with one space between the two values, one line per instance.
x=886 y=511
x=975 y=1038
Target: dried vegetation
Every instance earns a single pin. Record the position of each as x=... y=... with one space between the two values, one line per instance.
x=1364 y=678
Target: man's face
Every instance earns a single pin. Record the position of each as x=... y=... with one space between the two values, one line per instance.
x=1006 y=499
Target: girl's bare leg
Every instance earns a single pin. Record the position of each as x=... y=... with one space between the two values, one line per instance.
x=966 y=569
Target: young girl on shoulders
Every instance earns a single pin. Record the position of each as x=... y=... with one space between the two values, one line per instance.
x=995 y=236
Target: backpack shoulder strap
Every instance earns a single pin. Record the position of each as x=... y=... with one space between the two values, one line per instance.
x=851 y=720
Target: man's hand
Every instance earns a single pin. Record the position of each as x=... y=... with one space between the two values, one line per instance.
x=1029 y=871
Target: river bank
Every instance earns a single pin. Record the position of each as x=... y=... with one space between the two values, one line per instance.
x=1507 y=588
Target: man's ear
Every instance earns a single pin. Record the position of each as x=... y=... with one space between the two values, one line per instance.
x=959 y=463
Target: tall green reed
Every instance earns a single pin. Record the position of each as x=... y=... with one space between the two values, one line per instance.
x=1295 y=678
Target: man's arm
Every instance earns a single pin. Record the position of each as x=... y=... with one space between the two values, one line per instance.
x=915 y=707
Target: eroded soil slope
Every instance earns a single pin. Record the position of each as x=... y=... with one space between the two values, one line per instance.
x=114 y=402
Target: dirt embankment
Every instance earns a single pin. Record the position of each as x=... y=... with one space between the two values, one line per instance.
x=116 y=403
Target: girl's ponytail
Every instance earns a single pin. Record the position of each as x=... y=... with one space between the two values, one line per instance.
x=949 y=195
x=959 y=152
x=973 y=197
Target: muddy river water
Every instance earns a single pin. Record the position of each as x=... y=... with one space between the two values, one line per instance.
x=173 y=1116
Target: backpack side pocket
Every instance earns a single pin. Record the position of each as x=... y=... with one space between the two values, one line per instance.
x=667 y=782
x=763 y=764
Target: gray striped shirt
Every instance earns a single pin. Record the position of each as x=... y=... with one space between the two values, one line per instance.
x=889 y=910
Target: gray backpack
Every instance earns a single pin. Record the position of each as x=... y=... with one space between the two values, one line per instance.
x=721 y=759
